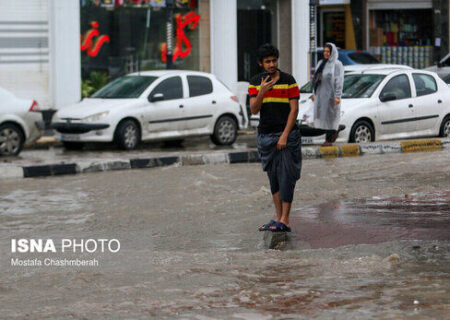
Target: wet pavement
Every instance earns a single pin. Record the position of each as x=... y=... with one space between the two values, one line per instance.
x=369 y=242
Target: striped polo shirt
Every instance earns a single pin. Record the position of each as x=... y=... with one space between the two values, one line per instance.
x=275 y=109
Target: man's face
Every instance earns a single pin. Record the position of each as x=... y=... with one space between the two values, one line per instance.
x=269 y=64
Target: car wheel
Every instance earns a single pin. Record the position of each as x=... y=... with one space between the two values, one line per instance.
x=127 y=135
x=70 y=145
x=445 y=128
x=362 y=132
x=225 y=131
x=11 y=139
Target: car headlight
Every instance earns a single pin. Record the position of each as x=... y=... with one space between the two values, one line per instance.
x=96 y=116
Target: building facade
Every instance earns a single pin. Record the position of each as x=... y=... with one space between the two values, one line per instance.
x=39 y=50
x=48 y=48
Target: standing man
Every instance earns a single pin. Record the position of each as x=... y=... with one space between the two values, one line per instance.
x=275 y=94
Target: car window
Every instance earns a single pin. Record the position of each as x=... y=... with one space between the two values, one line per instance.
x=363 y=58
x=425 y=84
x=199 y=86
x=125 y=87
x=171 y=88
x=360 y=85
x=307 y=88
x=399 y=86
x=447 y=79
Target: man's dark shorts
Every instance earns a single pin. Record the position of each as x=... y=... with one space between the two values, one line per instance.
x=284 y=166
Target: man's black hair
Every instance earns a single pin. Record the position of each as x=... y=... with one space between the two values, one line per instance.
x=267 y=50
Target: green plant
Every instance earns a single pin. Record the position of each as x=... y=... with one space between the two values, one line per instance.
x=96 y=81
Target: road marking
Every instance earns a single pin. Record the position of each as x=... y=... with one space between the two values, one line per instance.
x=421 y=145
x=329 y=152
x=350 y=150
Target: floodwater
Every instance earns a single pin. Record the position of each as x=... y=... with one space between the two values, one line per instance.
x=191 y=251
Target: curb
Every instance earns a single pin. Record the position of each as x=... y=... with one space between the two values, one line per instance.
x=315 y=152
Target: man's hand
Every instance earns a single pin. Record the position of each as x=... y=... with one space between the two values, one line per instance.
x=312 y=98
x=266 y=85
x=282 y=142
x=337 y=101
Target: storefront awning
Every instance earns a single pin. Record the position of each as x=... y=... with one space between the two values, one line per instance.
x=399 y=4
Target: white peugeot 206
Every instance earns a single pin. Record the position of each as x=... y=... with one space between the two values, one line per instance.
x=150 y=106
x=390 y=104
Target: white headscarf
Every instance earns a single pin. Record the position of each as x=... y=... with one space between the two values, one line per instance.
x=333 y=57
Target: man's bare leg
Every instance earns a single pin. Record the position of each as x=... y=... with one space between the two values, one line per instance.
x=286 y=209
x=278 y=205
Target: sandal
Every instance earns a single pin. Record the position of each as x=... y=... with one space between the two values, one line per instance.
x=279 y=227
x=266 y=226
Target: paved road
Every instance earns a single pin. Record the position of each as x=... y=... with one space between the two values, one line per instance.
x=190 y=249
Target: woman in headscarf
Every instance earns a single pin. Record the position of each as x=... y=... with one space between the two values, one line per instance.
x=327 y=90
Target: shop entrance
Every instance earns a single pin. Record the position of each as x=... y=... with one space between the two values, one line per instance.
x=332 y=27
x=256 y=20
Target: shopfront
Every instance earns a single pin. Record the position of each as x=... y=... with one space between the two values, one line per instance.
x=401 y=32
x=122 y=36
x=336 y=24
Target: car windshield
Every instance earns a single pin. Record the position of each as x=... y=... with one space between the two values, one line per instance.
x=127 y=87
x=363 y=58
x=361 y=85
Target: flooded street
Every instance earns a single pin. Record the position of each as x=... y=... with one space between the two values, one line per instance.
x=370 y=240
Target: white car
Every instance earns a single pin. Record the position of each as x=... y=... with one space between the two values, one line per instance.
x=306 y=90
x=153 y=105
x=391 y=104
x=20 y=122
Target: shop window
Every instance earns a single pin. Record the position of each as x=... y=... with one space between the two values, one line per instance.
x=399 y=86
x=171 y=88
x=425 y=84
x=131 y=37
x=199 y=86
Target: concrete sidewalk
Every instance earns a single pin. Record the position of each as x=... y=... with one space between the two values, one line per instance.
x=216 y=157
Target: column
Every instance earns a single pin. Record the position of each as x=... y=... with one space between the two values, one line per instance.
x=224 y=58
x=65 y=57
x=300 y=40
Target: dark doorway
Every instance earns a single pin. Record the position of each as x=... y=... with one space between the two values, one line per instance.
x=254 y=29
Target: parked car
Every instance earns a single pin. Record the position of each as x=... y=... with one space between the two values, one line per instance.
x=153 y=105
x=352 y=57
x=442 y=68
x=390 y=104
x=306 y=90
x=20 y=122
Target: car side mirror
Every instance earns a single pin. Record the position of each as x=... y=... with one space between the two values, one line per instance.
x=388 y=97
x=156 y=97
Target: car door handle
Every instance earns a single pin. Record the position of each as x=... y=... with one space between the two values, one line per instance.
x=181 y=106
x=214 y=102
x=410 y=106
x=439 y=101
